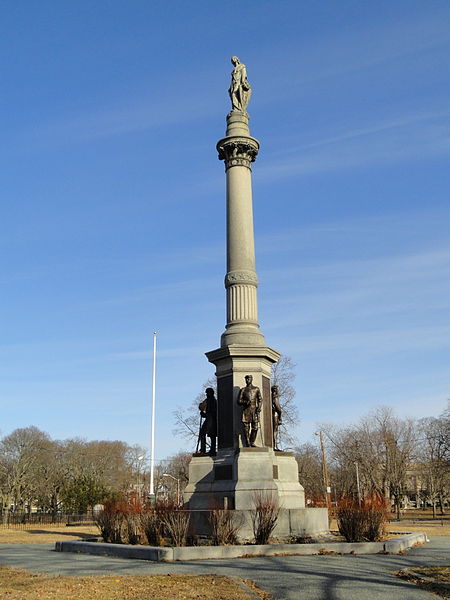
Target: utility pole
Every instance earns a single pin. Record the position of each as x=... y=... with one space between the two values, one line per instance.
x=357 y=482
x=178 y=485
x=326 y=480
x=358 y=486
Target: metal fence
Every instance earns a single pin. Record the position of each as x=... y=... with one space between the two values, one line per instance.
x=33 y=520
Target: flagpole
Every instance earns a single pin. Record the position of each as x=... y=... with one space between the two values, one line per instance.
x=152 y=454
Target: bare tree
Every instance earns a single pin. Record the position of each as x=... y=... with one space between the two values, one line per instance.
x=434 y=471
x=309 y=461
x=382 y=447
x=283 y=375
x=20 y=453
x=177 y=467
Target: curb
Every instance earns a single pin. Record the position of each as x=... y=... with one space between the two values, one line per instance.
x=185 y=553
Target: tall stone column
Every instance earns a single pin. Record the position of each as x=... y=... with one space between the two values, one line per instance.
x=242 y=468
x=238 y=150
x=243 y=350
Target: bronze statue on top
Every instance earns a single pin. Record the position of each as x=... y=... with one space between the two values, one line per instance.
x=251 y=401
x=276 y=415
x=240 y=90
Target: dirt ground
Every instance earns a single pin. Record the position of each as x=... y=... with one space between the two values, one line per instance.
x=18 y=584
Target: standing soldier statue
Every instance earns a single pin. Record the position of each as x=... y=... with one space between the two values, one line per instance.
x=251 y=401
x=276 y=415
x=208 y=410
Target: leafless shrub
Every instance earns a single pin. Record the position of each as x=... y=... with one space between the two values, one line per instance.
x=175 y=522
x=264 y=516
x=152 y=528
x=225 y=525
x=119 y=522
x=351 y=520
x=362 y=522
x=110 y=522
x=376 y=518
x=132 y=526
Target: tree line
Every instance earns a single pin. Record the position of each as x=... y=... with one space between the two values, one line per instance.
x=396 y=458
x=71 y=476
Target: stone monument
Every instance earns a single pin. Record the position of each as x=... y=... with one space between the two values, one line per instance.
x=246 y=463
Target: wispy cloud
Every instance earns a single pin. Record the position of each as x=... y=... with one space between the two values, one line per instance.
x=178 y=352
x=399 y=286
x=387 y=341
x=128 y=116
x=342 y=54
x=418 y=137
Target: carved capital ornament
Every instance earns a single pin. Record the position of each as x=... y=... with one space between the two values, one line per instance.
x=238 y=151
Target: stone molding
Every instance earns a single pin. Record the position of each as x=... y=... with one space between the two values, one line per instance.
x=243 y=277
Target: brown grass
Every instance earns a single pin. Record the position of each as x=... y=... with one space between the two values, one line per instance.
x=17 y=584
x=42 y=535
x=433 y=579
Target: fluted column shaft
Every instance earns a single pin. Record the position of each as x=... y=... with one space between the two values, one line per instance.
x=238 y=149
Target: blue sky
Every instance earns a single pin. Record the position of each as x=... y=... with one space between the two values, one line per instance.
x=113 y=206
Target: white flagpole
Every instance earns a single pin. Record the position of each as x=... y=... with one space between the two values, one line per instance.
x=152 y=455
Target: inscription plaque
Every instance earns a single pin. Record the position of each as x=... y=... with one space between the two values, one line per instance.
x=223 y=472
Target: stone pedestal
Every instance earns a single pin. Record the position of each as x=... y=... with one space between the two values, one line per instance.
x=237 y=478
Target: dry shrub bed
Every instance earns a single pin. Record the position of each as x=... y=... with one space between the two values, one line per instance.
x=363 y=521
x=17 y=584
x=264 y=517
x=433 y=579
x=131 y=522
x=225 y=525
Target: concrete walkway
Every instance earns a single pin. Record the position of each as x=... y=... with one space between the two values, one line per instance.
x=285 y=577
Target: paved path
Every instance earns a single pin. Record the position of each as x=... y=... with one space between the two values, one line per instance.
x=285 y=577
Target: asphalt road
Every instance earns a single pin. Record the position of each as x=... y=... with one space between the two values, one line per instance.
x=286 y=578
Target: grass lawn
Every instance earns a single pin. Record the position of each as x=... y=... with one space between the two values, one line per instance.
x=420 y=520
x=433 y=579
x=17 y=584
x=42 y=534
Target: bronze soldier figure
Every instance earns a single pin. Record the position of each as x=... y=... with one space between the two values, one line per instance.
x=276 y=415
x=251 y=401
x=208 y=410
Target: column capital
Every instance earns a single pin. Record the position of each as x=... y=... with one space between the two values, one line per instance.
x=238 y=151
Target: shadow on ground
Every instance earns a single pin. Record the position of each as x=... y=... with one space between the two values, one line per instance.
x=59 y=533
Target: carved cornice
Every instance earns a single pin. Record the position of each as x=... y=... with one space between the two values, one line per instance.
x=242 y=277
x=238 y=151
